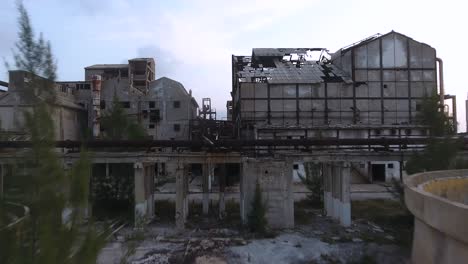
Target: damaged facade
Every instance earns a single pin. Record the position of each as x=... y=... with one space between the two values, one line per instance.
x=163 y=106
x=371 y=89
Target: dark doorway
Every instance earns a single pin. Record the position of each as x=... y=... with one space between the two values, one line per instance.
x=378 y=172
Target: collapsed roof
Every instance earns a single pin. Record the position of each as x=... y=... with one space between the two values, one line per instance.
x=288 y=65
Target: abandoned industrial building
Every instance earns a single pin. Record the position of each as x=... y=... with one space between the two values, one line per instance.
x=369 y=90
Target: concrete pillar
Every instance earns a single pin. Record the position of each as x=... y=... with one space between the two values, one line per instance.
x=139 y=192
x=205 y=187
x=327 y=196
x=275 y=179
x=2 y=174
x=345 y=214
x=222 y=186
x=181 y=204
x=336 y=191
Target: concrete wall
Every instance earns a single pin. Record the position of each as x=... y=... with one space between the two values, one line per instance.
x=441 y=232
x=275 y=179
x=176 y=107
x=172 y=122
x=391 y=75
x=68 y=117
x=144 y=193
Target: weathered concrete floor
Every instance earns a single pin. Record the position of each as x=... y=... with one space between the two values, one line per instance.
x=319 y=240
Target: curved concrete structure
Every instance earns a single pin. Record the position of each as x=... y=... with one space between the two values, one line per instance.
x=438 y=201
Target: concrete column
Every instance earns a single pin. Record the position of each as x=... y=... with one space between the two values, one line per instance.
x=2 y=174
x=345 y=214
x=275 y=179
x=181 y=196
x=139 y=192
x=187 y=172
x=205 y=187
x=336 y=190
x=222 y=185
x=327 y=196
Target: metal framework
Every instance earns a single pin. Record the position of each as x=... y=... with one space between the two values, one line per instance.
x=240 y=143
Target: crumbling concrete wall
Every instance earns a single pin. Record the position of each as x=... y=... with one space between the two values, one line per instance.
x=441 y=230
x=144 y=192
x=275 y=179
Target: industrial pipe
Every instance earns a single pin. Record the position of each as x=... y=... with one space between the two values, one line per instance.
x=234 y=143
x=441 y=81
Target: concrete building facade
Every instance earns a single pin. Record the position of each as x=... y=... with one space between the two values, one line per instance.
x=371 y=89
x=67 y=114
x=163 y=106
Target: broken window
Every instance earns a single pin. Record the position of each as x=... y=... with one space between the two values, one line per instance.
x=103 y=104
x=176 y=104
x=390 y=165
x=152 y=104
x=176 y=127
x=154 y=116
x=151 y=126
x=296 y=166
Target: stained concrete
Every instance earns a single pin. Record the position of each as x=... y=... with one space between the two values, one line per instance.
x=441 y=230
x=337 y=182
x=275 y=179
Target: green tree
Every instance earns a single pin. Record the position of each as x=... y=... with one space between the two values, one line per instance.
x=439 y=154
x=314 y=183
x=56 y=197
x=117 y=125
x=256 y=218
x=432 y=116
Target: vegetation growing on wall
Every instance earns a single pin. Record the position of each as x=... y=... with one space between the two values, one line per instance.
x=313 y=180
x=117 y=125
x=256 y=218
x=112 y=192
x=56 y=197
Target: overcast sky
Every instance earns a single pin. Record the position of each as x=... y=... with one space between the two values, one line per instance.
x=192 y=41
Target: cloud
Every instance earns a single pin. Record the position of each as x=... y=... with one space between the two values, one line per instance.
x=166 y=63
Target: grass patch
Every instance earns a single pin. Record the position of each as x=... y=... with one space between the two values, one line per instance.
x=390 y=215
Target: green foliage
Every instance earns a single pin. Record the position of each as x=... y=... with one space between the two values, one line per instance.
x=432 y=116
x=56 y=197
x=118 y=126
x=438 y=154
x=256 y=218
x=314 y=183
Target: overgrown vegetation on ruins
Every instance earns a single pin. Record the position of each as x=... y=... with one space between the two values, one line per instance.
x=438 y=154
x=53 y=231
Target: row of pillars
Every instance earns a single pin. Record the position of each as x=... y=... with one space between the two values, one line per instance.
x=182 y=174
x=336 y=180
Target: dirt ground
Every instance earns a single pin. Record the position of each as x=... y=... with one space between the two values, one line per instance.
x=380 y=233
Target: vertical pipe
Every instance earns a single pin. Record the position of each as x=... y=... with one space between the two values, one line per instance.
x=96 y=102
x=454 y=112
x=441 y=81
